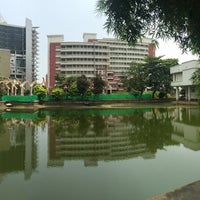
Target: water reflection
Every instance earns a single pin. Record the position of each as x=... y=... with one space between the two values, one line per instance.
x=93 y=136
x=18 y=148
x=187 y=128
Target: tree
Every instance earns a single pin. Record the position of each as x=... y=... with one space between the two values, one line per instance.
x=158 y=73
x=153 y=73
x=132 y=19
x=88 y=93
x=60 y=80
x=71 y=80
x=57 y=93
x=196 y=81
x=196 y=77
x=72 y=89
x=135 y=81
x=98 y=85
x=82 y=85
x=71 y=86
x=40 y=91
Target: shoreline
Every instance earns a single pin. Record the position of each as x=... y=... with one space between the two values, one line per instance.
x=187 y=192
x=95 y=104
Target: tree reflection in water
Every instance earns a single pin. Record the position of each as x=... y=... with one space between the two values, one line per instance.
x=154 y=128
x=151 y=127
x=52 y=146
x=147 y=126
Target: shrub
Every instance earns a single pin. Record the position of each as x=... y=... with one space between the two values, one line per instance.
x=57 y=93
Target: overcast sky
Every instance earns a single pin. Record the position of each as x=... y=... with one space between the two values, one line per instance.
x=70 y=18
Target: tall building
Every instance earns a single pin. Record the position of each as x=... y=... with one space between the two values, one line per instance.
x=22 y=43
x=54 y=42
x=109 y=58
x=4 y=63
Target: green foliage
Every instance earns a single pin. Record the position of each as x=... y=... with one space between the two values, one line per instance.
x=196 y=77
x=131 y=20
x=99 y=85
x=135 y=92
x=88 y=93
x=73 y=86
x=57 y=93
x=60 y=80
x=40 y=91
x=72 y=89
x=158 y=73
x=154 y=73
x=162 y=95
x=82 y=85
x=40 y=120
x=136 y=78
x=71 y=80
x=196 y=81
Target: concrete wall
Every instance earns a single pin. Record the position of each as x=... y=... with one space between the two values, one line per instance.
x=29 y=50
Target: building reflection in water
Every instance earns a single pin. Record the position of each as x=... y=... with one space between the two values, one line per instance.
x=114 y=145
x=110 y=137
x=187 y=127
x=18 y=148
x=93 y=135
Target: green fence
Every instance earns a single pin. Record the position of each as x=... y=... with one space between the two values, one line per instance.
x=119 y=97
x=100 y=97
x=19 y=98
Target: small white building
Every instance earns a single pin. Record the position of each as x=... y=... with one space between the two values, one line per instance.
x=181 y=75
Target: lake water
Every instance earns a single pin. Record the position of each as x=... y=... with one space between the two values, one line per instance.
x=98 y=154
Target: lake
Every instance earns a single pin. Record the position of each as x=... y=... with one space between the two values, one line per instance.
x=98 y=154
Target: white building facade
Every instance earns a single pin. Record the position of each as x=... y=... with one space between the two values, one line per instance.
x=109 y=58
x=120 y=57
x=181 y=78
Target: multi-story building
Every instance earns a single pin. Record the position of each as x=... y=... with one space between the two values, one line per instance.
x=109 y=58
x=181 y=79
x=22 y=44
x=5 y=62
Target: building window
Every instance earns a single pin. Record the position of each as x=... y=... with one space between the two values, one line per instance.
x=177 y=77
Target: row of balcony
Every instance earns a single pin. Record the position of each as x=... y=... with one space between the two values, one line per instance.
x=71 y=63
x=83 y=56
x=83 y=50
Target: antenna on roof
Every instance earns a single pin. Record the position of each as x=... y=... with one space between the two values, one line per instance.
x=2 y=20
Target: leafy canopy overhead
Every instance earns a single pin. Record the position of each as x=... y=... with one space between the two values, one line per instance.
x=133 y=19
